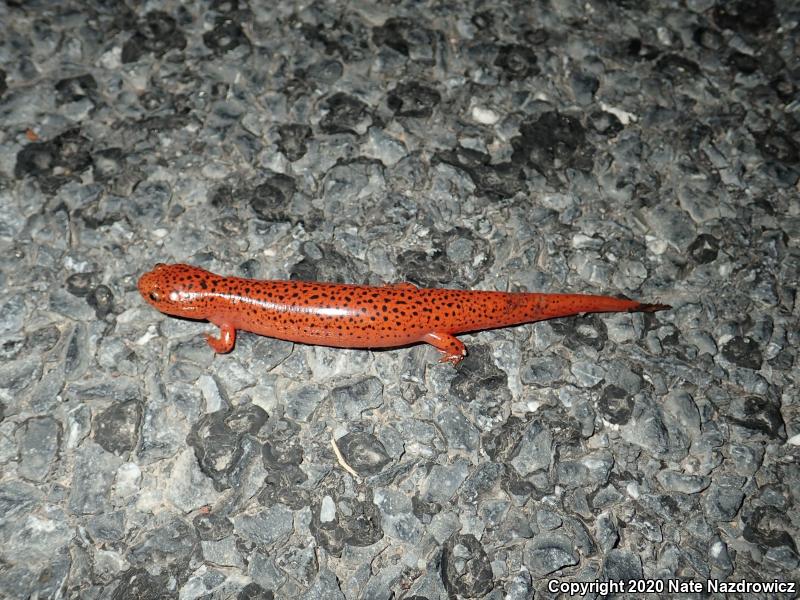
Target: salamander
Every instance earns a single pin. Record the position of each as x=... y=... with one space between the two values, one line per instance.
x=356 y=316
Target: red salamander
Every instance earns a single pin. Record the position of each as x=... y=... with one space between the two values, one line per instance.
x=355 y=316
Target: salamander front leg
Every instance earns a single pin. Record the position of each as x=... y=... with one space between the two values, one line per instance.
x=227 y=338
x=453 y=350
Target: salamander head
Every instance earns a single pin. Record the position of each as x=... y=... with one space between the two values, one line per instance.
x=177 y=290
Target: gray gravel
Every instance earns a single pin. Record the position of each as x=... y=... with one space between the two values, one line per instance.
x=646 y=149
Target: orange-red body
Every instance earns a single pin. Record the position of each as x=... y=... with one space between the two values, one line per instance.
x=355 y=316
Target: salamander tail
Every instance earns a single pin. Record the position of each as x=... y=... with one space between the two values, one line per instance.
x=499 y=309
x=547 y=306
x=650 y=307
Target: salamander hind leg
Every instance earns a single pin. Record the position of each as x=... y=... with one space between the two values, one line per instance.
x=227 y=338
x=453 y=350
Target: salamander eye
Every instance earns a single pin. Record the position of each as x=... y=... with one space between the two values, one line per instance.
x=155 y=296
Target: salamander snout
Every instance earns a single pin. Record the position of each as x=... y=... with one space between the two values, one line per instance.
x=173 y=289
